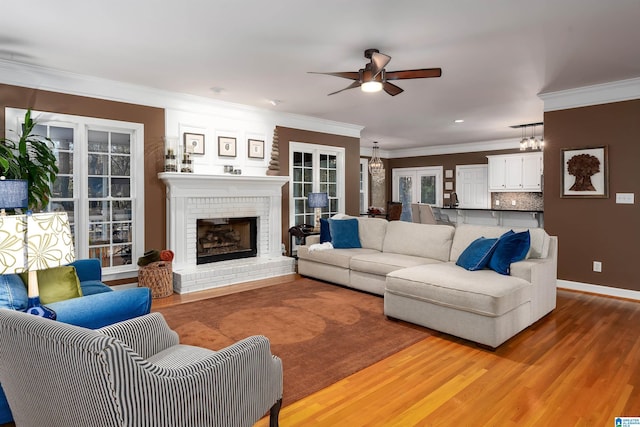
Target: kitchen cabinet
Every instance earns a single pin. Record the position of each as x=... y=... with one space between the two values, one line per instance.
x=515 y=172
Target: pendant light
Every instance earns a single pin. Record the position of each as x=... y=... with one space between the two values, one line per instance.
x=376 y=167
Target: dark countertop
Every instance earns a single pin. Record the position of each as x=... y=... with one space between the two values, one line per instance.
x=492 y=210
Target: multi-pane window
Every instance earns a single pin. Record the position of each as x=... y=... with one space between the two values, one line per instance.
x=100 y=184
x=109 y=196
x=315 y=168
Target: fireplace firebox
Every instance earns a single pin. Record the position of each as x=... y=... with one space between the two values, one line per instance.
x=222 y=239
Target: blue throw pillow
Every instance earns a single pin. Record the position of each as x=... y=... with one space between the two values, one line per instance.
x=325 y=232
x=344 y=233
x=511 y=247
x=13 y=292
x=476 y=256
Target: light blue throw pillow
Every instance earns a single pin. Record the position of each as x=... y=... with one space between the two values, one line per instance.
x=344 y=233
x=477 y=255
x=13 y=292
x=511 y=247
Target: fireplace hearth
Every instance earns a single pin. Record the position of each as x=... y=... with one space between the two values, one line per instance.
x=222 y=239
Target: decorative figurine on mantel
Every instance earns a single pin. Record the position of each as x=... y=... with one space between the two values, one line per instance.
x=274 y=163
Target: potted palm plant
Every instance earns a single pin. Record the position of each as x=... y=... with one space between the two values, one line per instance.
x=31 y=158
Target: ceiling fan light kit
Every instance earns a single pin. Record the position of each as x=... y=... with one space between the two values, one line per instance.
x=371 y=87
x=374 y=78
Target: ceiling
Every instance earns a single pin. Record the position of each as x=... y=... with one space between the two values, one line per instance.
x=496 y=56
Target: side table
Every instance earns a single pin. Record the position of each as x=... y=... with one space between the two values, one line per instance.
x=300 y=233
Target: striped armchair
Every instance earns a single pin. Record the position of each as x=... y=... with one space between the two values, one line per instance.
x=132 y=373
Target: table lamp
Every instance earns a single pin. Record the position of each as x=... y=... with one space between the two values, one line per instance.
x=31 y=242
x=49 y=244
x=318 y=201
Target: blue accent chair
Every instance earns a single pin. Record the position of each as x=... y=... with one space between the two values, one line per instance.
x=99 y=306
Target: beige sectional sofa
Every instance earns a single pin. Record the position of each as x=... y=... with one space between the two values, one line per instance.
x=413 y=266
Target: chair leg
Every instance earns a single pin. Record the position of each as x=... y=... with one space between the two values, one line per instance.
x=274 y=413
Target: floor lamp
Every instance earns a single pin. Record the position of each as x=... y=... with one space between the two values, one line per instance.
x=317 y=201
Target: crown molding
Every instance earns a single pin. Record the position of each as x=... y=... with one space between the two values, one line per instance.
x=468 y=147
x=622 y=90
x=36 y=77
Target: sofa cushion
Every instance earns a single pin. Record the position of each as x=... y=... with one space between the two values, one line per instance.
x=344 y=233
x=56 y=284
x=335 y=257
x=422 y=240
x=372 y=232
x=92 y=287
x=467 y=233
x=477 y=254
x=385 y=262
x=511 y=247
x=13 y=292
x=482 y=292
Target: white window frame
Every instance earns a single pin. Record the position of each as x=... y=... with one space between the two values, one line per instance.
x=364 y=184
x=316 y=150
x=81 y=125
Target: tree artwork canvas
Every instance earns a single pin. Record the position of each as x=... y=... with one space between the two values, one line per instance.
x=585 y=172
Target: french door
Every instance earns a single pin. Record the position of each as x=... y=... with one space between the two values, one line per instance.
x=416 y=185
x=315 y=169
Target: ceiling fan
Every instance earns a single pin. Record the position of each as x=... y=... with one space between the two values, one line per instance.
x=373 y=77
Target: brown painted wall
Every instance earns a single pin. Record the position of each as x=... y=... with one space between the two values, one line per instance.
x=352 y=167
x=151 y=118
x=596 y=229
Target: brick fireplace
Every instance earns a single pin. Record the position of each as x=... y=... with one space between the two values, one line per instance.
x=193 y=197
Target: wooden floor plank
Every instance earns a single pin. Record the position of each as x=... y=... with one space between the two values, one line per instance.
x=579 y=366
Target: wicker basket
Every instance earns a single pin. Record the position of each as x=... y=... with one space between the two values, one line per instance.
x=158 y=277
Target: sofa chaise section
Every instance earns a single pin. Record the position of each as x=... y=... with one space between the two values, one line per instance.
x=481 y=306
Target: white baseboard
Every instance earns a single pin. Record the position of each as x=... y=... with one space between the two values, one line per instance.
x=597 y=289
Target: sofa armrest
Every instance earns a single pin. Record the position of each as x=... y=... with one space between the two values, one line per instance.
x=310 y=240
x=88 y=269
x=98 y=310
x=542 y=274
x=146 y=335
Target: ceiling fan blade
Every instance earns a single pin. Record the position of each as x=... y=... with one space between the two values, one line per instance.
x=379 y=61
x=351 y=86
x=353 y=75
x=392 y=89
x=414 y=74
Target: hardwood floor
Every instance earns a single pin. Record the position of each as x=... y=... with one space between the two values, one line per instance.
x=579 y=366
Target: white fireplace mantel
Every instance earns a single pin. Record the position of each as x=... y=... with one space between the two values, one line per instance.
x=204 y=185
x=196 y=196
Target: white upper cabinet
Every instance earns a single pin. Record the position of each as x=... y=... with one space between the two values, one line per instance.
x=515 y=172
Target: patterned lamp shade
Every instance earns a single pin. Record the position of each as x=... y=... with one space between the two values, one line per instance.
x=12 y=241
x=49 y=241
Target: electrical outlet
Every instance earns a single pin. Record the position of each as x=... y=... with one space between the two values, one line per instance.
x=597 y=266
x=513 y=203
x=497 y=202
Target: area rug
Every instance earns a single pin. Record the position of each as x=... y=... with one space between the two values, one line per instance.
x=322 y=332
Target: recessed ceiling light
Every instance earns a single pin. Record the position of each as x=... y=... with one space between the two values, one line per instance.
x=458 y=121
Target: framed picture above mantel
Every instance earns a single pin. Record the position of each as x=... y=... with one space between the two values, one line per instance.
x=585 y=172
